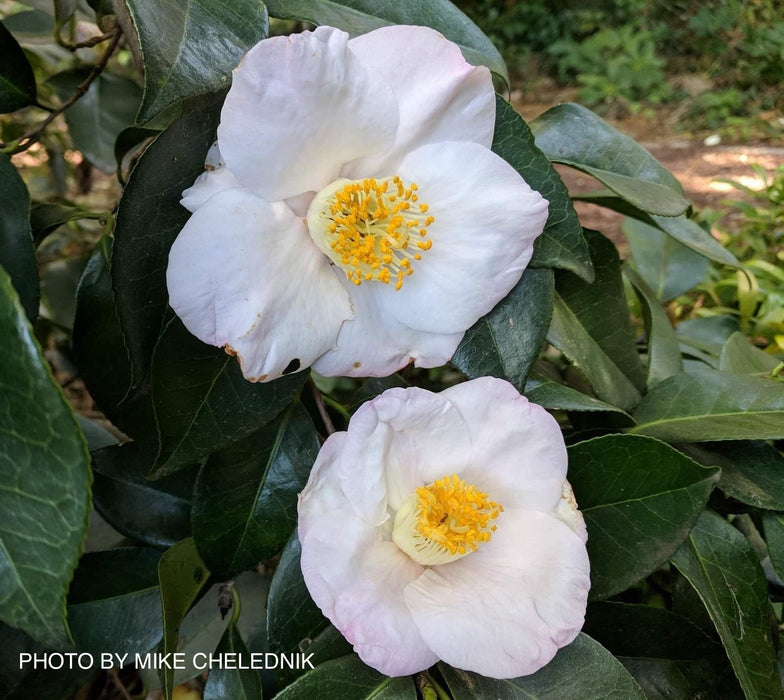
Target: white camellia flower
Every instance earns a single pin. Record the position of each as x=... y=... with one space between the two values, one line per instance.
x=352 y=216
x=441 y=526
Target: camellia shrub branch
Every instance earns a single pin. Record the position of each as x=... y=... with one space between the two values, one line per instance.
x=364 y=410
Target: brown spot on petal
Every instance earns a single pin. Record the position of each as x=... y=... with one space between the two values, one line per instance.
x=229 y=350
x=357 y=365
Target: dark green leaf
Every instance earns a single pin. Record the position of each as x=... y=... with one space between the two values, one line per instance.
x=237 y=684
x=181 y=576
x=100 y=351
x=128 y=139
x=45 y=477
x=575 y=136
x=664 y=353
x=584 y=669
x=17 y=254
x=706 y=335
x=751 y=470
x=590 y=325
x=191 y=47
x=506 y=342
x=679 y=229
x=667 y=679
x=361 y=16
x=348 y=679
x=158 y=512
x=561 y=244
x=202 y=401
x=740 y=357
x=94 y=121
x=773 y=527
x=245 y=501
x=292 y=617
x=114 y=604
x=722 y=567
x=559 y=397
x=17 y=82
x=27 y=682
x=709 y=405
x=668 y=267
x=46 y=218
x=96 y=436
x=639 y=497
x=148 y=220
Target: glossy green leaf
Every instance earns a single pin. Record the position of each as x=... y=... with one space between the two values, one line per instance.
x=710 y=405
x=157 y=512
x=361 y=16
x=751 y=470
x=640 y=497
x=590 y=325
x=202 y=402
x=17 y=254
x=237 y=684
x=741 y=357
x=191 y=47
x=584 y=669
x=559 y=397
x=94 y=121
x=292 y=617
x=348 y=678
x=45 y=477
x=668 y=267
x=722 y=567
x=245 y=501
x=113 y=602
x=181 y=576
x=668 y=655
x=148 y=220
x=575 y=136
x=705 y=337
x=664 y=353
x=561 y=244
x=773 y=527
x=100 y=351
x=679 y=229
x=506 y=342
x=17 y=82
x=46 y=218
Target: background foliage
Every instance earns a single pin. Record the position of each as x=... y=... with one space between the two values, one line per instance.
x=149 y=492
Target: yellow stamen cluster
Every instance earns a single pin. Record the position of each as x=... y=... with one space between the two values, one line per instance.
x=444 y=521
x=373 y=229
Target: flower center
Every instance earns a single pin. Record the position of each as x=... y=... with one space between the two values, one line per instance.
x=444 y=521
x=372 y=229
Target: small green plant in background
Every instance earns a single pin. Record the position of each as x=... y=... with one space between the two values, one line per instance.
x=754 y=232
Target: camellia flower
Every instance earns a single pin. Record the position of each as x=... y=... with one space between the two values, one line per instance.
x=441 y=526
x=352 y=216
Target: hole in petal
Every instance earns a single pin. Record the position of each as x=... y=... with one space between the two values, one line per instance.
x=292 y=366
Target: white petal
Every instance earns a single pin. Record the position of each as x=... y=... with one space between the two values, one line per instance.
x=399 y=441
x=375 y=344
x=486 y=221
x=567 y=512
x=504 y=610
x=357 y=580
x=210 y=182
x=518 y=453
x=440 y=96
x=300 y=107
x=244 y=274
x=323 y=493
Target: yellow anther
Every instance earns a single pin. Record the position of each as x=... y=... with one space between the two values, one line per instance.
x=366 y=231
x=444 y=521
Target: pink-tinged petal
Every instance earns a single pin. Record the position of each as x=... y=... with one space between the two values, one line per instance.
x=244 y=274
x=518 y=453
x=486 y=221
x=376 y=345
x=440 y=96
x=323 y=493
x=357 y=580
x=399 y=441
x=300 y=107
x=504 y=610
